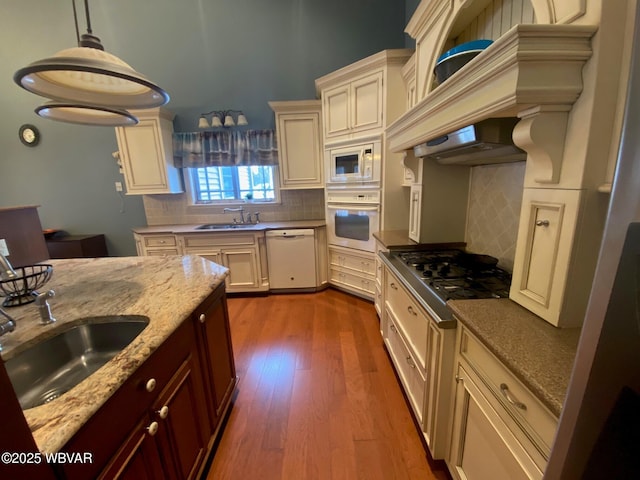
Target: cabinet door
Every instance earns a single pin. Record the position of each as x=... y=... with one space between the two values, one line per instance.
x=182 y=416
x=216 y=350
x=243 y=268
x=366 y=102
x=481 y=445
x=543 y=252
x=145 y=152
x=300 y=151
x=415 y=206
x=138 y=457
x=336 y=106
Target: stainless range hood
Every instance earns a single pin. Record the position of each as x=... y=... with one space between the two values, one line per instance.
x=487 y=142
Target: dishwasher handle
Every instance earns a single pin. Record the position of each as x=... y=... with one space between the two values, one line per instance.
x=290 y=233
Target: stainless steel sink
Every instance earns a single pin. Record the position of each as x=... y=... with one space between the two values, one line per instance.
x=223 y=226
x=50 y=368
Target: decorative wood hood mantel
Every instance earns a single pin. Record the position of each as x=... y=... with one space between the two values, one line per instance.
x=533 y=72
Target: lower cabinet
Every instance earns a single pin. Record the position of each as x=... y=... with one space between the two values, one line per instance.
x=214 y=338
x=244 y=254
x=499 y=429
x=163 y=421
x=422 y=355
x=352 y=271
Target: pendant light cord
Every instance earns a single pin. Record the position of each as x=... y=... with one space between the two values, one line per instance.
x=75 y=20
x=86 y=11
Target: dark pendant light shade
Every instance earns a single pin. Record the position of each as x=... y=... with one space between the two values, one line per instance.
x=86 y=114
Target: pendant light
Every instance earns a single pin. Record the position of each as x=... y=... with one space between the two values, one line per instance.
x=86 y=114
x=88 y=77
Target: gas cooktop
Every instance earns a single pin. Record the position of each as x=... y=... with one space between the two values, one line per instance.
x=458 y=275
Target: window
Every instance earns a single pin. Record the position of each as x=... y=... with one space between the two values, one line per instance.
x=229 y=184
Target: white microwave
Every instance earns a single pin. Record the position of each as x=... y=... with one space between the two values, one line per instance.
x=354 y=165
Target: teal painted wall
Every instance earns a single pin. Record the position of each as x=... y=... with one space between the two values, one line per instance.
x=208 y=54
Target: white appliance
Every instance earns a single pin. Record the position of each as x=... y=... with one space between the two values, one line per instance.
x=291 y=258
x=352 y=217
x=354 y=165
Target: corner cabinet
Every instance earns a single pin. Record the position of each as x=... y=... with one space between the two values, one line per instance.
x=299 y=143
x=146 y=154
x=499 y=429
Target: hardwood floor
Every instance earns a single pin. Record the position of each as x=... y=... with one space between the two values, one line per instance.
x=317 y=397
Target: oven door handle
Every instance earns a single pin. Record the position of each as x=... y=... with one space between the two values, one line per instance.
x=352 y=206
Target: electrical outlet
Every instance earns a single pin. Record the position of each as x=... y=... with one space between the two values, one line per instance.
x=118 y=186
x=4 y=250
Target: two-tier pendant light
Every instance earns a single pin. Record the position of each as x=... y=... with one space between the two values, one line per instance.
x=87 y=85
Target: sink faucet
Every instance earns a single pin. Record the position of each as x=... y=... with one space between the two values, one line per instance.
x=7 y=324
x=44 y=309
x=239 y=209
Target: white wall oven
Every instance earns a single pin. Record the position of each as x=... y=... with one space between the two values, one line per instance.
x=354 y=165
x=352 y=217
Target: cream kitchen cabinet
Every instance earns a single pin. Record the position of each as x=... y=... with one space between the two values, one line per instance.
x=146 y=154
x=353 y=107
x=298 y=125
x=244 y=254
x=156 y=244
x=378 y=299
x=422 y=354
x=548 y=224
x=352 y=270
x=499 y=429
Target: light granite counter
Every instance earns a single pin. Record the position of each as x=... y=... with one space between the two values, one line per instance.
x=257 y=227
x=539 y=354
x=165 y=289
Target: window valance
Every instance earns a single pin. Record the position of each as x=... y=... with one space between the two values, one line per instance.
x=225 y=148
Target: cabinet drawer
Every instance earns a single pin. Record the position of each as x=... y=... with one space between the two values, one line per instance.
x=208 y=241
x=357 y=263
x=360 y=282
x=160 y=241
x=528 y=412
x=410 y=374
x=412 y=320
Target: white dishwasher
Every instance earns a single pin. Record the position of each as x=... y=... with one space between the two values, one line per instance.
x=292 y=258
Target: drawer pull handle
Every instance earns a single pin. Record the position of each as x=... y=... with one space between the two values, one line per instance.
x=393 y=328
x=505 y=391
x=202 y=318
x=150 y=386
x=163 y=241
x=152 y=428
x=163 y=412
x=412 y=311
x=459 y=379
x=393 y=285
x=542 y=223
x=410 y=362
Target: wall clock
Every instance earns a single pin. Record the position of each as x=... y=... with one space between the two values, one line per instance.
x=29 y=135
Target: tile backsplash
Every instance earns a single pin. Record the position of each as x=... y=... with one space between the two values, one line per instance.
x=175 y=209
x=495 y=198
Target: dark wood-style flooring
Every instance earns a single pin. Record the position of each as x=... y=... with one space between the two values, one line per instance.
x=317 y=397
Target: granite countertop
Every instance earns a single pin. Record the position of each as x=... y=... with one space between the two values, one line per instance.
x=394 y=238
x=257 y=227
x=536 y=352
x=165 y=289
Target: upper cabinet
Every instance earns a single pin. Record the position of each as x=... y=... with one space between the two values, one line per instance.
x=299 y=143
x=354 y=99
x=146 y=154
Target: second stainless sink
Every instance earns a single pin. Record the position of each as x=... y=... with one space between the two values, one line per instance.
x=50 y=368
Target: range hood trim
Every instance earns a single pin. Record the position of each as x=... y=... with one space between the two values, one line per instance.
x=505 y=81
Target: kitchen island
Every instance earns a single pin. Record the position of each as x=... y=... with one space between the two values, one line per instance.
x=167 y=290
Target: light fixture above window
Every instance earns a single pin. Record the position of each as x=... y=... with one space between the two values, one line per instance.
x=88 y=78
x=222 y=118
